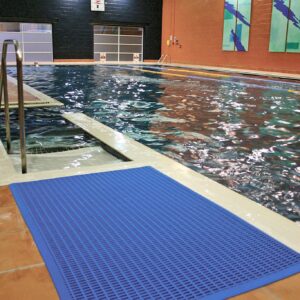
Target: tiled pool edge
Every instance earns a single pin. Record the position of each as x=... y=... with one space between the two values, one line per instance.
x=279 y=75
x=6 y=165
x=282 y=75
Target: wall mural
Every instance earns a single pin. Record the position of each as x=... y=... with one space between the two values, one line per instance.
x=237 y=15
x=285 y=26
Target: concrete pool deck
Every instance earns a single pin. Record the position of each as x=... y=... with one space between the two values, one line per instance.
x=22 y=268
x=23 y=274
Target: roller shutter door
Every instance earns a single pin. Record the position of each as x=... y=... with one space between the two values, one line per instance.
x=35 y=40
x=118 y=43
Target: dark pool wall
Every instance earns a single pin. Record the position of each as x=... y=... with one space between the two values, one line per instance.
x=73 y=19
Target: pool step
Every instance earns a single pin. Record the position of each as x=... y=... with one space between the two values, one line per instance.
x=83 y=157
x=32 y=97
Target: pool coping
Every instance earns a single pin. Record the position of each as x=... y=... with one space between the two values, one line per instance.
x=7 y=167
x=280 y=75
x=275 y=225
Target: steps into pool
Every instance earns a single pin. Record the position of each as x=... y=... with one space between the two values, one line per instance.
x=84 y=157
x=32 y=97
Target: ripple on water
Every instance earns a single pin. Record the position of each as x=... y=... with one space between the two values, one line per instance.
x=242 y=136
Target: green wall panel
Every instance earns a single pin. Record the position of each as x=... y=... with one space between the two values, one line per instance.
x=229 y=25
x=279 y=27
x=244 y=7
x=293 y=38
x=237 y=15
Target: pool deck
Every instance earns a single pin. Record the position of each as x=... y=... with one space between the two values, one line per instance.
x=32 y=97
x=22 y=270
x=23 y=274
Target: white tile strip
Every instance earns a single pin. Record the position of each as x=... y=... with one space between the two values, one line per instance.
x=23 y=268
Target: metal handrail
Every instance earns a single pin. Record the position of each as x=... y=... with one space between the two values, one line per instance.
x=4 y=90
x=162 y=58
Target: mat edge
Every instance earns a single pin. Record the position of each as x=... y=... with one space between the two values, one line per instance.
x=235 y=291
x=41 y=245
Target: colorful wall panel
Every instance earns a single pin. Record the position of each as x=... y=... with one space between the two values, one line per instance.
x=237 y=15
x=201 y=40
x=285 y=26
x=293 y=38
x=229 y=24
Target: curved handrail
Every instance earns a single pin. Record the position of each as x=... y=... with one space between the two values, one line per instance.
x=4 y=90
x=162 y=58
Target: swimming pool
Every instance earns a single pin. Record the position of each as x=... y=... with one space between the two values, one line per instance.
x=242 y=132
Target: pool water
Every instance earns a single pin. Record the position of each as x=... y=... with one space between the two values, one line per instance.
x=239 y=131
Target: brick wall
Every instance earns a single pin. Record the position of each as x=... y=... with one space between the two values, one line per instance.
x=72 y=22
x=198 y=25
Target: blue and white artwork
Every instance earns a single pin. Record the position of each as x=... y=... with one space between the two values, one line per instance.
x=285 y=26
x=237 y=15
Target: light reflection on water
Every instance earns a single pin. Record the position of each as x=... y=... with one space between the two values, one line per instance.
x=246 y=138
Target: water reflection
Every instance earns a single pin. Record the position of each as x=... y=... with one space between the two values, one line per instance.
x=244 y=137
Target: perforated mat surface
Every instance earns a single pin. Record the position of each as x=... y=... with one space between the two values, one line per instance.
x=137 y=234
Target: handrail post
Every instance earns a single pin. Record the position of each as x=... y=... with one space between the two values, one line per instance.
x=19 y=59
x=5 y=94
x=21 y=114
x=160 y=58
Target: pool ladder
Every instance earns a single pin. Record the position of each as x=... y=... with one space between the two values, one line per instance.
x=162 y=58
x=4 y=91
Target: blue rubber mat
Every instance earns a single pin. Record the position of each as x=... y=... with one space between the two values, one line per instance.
x=137 y=234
